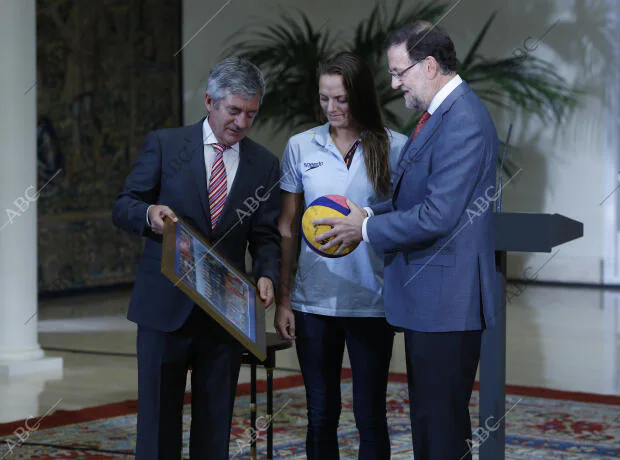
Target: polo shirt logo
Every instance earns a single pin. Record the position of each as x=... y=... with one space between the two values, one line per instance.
x=311 y=166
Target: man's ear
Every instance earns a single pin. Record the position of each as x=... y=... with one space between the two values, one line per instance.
x=433 y=66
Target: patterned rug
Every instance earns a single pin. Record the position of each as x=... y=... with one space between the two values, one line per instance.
x=537 y=427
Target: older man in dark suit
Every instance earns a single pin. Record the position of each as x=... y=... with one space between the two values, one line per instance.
x=206 y=173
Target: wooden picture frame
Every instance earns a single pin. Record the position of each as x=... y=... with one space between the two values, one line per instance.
x=203 y=274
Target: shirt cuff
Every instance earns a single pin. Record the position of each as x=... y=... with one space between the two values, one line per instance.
x=364 y=233
x=369 y=211
x=148 y=222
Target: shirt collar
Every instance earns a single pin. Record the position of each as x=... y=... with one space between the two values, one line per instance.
x=321 y=134
x=208 y=138
x=444 y=93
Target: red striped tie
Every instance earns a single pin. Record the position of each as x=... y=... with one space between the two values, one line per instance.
x=423 y=119
x=217 y=184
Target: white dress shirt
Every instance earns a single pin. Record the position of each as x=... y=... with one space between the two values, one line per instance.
x=441 y=96
x=230 y=157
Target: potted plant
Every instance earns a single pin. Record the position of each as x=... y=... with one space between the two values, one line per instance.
x=289 y=50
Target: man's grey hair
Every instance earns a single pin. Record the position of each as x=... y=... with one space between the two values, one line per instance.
x=235 y=75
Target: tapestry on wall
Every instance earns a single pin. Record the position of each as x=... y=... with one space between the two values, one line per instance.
x=107 y=74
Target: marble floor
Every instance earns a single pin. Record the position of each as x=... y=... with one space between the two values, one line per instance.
x=559 y=338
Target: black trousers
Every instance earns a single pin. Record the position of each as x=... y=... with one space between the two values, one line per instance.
x=441 y=369
x=320 y=347
x=163 y=362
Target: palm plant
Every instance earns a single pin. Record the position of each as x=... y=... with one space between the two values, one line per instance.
x=289 y=51
x=288 y=55
x=525 y=80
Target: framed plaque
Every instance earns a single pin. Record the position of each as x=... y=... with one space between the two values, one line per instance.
x=228 y=296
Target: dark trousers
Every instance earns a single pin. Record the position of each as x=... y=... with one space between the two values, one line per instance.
x=163 y=361
x=441 y=368
x=320 y=348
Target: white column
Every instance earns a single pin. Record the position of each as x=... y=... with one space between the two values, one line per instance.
x=19 y=348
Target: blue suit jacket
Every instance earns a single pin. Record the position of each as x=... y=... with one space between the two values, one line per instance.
x=437 y=232
x=170 y=170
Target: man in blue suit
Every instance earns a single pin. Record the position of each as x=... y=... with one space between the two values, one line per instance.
x=437 y=237
x=206 y=174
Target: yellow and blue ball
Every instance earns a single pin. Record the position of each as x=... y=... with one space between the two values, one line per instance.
x=324 y=207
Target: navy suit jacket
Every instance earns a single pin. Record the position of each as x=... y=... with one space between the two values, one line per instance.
x=170 y=170
x=437 y=231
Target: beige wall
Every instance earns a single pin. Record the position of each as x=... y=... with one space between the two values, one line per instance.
x=564 y=170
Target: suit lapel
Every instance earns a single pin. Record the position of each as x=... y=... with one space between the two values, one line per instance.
x=194 y=146
x=413 y=147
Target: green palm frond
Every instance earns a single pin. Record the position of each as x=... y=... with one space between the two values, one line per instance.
x=369 y=39
x=471 y=54
x=370 y=34
x=525 y=81
x=289 y=50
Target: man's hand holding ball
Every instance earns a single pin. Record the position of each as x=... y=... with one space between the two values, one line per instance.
x=346 y=232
